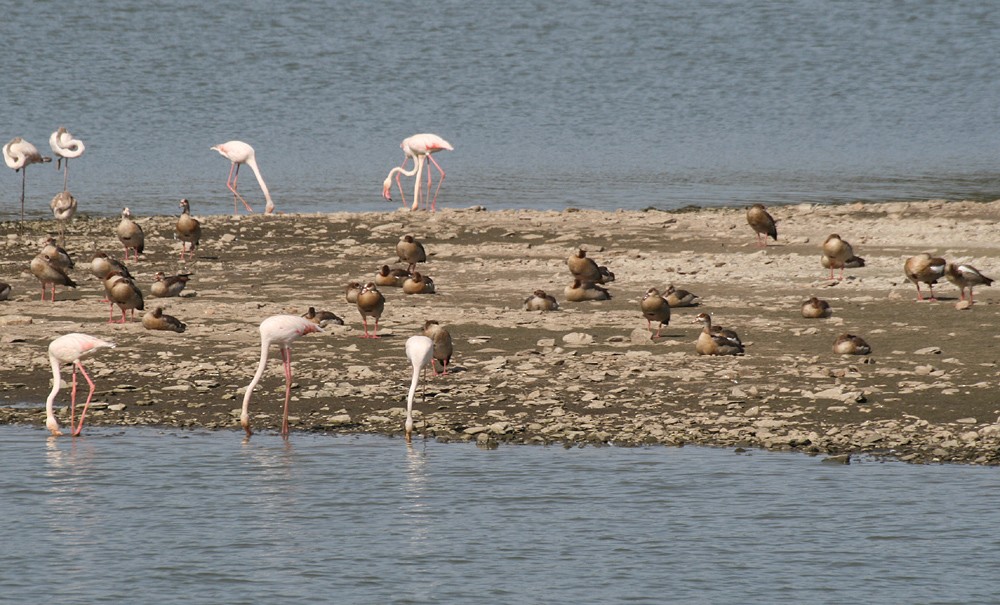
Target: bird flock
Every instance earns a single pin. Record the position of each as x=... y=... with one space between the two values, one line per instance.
x=434 y=346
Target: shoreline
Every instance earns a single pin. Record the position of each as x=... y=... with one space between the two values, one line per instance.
x=584 y=374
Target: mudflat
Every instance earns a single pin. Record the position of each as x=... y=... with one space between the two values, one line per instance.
x=588 y=373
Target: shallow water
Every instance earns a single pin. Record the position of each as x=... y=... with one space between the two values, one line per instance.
x=581 y=103
x=165 y=516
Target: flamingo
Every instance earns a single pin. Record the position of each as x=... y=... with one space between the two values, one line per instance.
x=18 y=153
x=238 y=153
x=64 y=146
x=65 y=350
x=63 y=209
x=420 y=147
x=281 y=330
x=420 y=351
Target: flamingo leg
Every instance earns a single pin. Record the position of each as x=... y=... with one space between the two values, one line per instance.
x=416 y=184
x=24 y=177
x=286 y=357
x=234 y=174
x=83 y=414
x=440 y=181
x=65 y=173
x=72 y=403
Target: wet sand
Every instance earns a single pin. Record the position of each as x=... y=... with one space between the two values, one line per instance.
x=586 y=374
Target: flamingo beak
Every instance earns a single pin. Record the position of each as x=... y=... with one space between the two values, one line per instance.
x=386 y=187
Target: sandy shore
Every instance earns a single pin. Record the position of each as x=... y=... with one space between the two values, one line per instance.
x=585 y=374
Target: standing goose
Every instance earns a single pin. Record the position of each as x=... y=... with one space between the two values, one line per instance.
x=411 y=252
x=18 y=154
x=48 y=272
x=124 y=293
x=716 y=340
x=762 y=223
x=815 y=308
x=130 y=234
x=443 y=347
x=586 y=270
x=156 y=320
x=655 y=308
x=188 y=229
x=371 y=303
x=924 y=268
x=965 y=276
x=65 y=147
x=540 y=301
x=837 y=254
x=63 y=207
x=166 y=286
x=58 y=254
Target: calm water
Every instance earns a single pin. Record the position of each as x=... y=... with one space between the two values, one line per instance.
x=145 y=516
x=549 y=104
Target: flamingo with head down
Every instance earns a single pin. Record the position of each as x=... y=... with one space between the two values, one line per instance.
x=239 y=153
x=68 y=349
x=420 y=147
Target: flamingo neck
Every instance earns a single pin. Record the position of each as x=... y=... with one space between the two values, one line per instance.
x=269 y=206
x=50 y=417
x=409 y=396
x=245 y=414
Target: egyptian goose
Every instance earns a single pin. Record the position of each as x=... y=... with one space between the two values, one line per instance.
x=418 y=284
x=188 y=229
x=411 y=252
x=849 y=344
x=156 y=320
x=716 y=340
x=924 y=268
x=351 y=291
x=123 y=292
x=48 y=272
x=580 y=291
x=540 y=301
x=130 y=234
x=681 y=298
x=173 y=285
x=4 y=291
x=838 y=254
x=322 y=318
x=371 y=303
x=762 y=223
x=655 y=308
x=102 y=264
x=965 y=276
x=443 y=348
x=815 y=308
x=392 y=278
x=58 y=255
x=586 y=270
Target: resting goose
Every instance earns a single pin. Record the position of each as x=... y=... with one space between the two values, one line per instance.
x=815 y=308
x=580 y=291
x=156 y=320
x=716 y=340
x=540 y=301
x=849 y=344
x=681 y=298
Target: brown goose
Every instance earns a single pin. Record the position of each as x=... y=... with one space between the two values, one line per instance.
x=49 y=272
x=585 y=269
x=102 y=264
x=849 y=344
x=580 y=291
x=351 y=291
x=4 y=291
x=58 y=255
x=322 y=318
x=411 y=252
x=418 y=284
x=924 y=268
x=165 y=286
x=443 y=348
x=839 y=254
x=681 y=298
x=392 y=278
x=716 y=340
x=130 y=234
x=188 y=229
x=965 y=276
x=371 y=303
x=156 y=320
x=815 y=308
x=655 y=308
x=123 y=292
x=762 y=223
x=540 y=301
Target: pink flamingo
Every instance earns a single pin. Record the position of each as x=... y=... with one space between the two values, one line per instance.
x=17 y=154
x=281 y=330
x=64 y=146
x=420 y=351
x=420 y=147
x=64 y=350
x=238 y=153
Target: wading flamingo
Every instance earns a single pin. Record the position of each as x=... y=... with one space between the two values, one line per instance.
x=18 y=153
x=238 y=153
x=64 y=146
x=420 y=351
x=64 y=350
x=420 y=147
x=281 y=330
